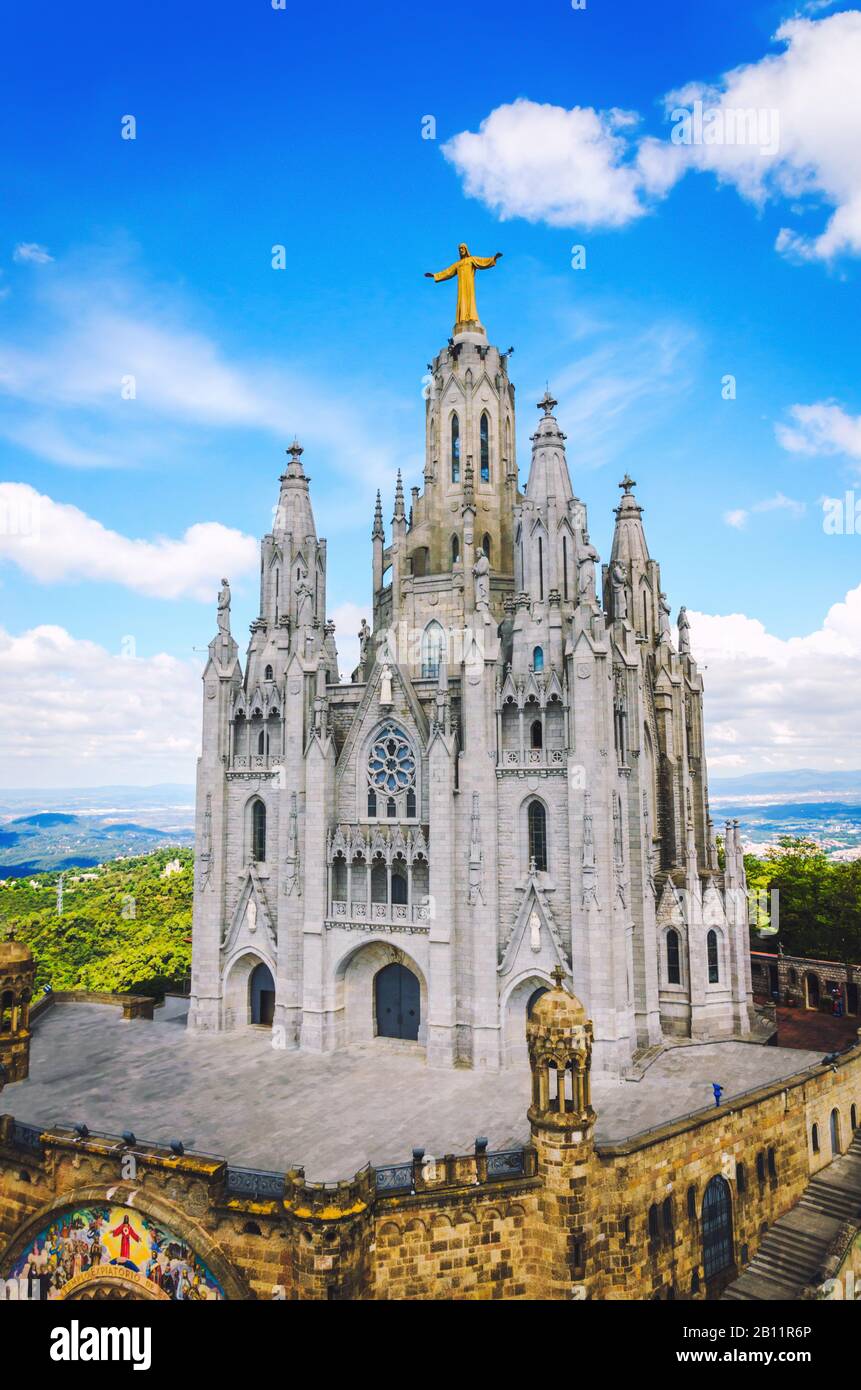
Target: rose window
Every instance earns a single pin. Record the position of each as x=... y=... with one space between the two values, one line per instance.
x=391 y=764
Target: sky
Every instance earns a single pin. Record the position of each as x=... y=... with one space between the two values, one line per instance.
x=677 y=194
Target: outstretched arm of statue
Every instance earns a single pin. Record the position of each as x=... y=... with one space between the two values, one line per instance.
x=485 y=262
x=446 y=274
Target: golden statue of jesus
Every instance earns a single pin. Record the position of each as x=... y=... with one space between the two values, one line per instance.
x=467 y=312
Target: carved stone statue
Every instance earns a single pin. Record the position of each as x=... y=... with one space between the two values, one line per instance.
x=619 y=585
x=684 y=632
x=224 y=608
x=304 y=604
x=664 y=610
x=481 y=574
x=364 y=639
x=386 y=685
x=586 y=570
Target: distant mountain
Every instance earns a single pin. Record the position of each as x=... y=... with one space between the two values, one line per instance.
x=46 y=841
x=806 y=781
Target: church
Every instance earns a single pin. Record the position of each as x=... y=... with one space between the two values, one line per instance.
x=512 y=782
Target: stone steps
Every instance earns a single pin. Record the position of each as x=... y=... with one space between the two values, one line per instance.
x=791 y=1254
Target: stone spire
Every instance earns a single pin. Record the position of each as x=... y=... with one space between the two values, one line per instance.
x=629 y=539
x=378 y=530
x=295 y=515
x=400 y=509
x=548 y=471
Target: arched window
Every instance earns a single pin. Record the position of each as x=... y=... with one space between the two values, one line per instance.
x=541 y=569
x=399 y=888
x=268 y=674
x=717 y=1227
x=695 y=1281
x=812 y=991
x=712 y=951
x=741 y=1179
x=455 y=549
x=485 y=544
x=537 y=819
x=258 y=832
x=760 y=1167
x=853 y=1118
x=536 y=738
x=455 y=449
x=564 y=566
x=7 y=1004
x=814 y=1138
x=668 y=1216
x=538 y=659
x=835 y=1132
x=433 y=646
x=692 y=1203
x=262 y=740
x=793 y=977
x=772 y=1163
x=654 y=1222
x=411 y=804
x=484 y=443
x=674 y=965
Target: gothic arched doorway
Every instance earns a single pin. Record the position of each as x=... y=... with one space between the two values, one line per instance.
x=262 y=995
x=397 y=1000
x=717 y=1228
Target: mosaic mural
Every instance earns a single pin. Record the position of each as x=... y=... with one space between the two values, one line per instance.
x=113 y=1245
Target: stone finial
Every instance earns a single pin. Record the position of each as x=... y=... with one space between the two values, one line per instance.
x=626 y=484
x=378 y=518
x=547 y=403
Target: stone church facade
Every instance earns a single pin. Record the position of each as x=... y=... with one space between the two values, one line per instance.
x=512 y=782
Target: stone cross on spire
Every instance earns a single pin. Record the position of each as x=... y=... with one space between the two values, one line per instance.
x=557 y=975
x=626 y=484
x=547 y=403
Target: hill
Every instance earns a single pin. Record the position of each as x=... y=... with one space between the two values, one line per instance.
x=124 y=927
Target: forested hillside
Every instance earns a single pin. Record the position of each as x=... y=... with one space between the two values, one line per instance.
x=124 y=926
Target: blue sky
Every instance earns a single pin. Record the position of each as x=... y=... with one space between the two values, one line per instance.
x=257 y=127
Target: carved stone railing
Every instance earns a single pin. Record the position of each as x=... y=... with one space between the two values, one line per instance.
x=256 y=762
x=369 y=916
x=531 y=757
x=257 y=1183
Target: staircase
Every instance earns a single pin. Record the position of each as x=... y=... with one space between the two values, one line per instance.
x=791 y=1254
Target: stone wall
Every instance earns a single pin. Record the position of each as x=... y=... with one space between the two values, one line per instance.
x=563 y=1219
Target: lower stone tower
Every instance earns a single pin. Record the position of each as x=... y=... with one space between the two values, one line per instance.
x=17 y=969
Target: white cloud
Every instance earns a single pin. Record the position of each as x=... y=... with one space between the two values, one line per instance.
x=52 y=541
x=736 y=518
x=548 y=164
x=781 y=703
x=93 y=717
x=32 y=252
x=821 y=428
x=739 y=517
x=787 y=126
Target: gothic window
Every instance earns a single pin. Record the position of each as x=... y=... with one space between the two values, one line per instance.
x=484 y=441
x=853 y=1118
x=485 y=544
x=564 y=566
x=692 y=1203
x=760 y=1167
x=455 y=449
x=814 y=1138
x=674 y=968
x=741 y=1179
x=717 y=1228
x=268 y=674
x=455 y=549
x=772 y=1164
x=263 y=742
x=541 y=569
x=391 y=774
x=535 y=734
x=538 y=659
x=667 y=1214
x=835 y=1132
x=712 y=952
x=433 y=646
x=654 y=1222
x=399 y=888
x=258 y=832
x=537 y=822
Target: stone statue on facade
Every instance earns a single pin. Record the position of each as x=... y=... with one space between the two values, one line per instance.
x=586 y=560
x=684 y=632
x=619 y=587
x=224 y=608
x=481 y=575
x=664 y=619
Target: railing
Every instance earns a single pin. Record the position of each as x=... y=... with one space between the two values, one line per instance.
x=256 y=762
x=256 y=1183
x=532 y=757
x=26 y=1136
x=413 y=915
x=425 y=1174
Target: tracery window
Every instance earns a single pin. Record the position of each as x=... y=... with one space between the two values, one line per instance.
x=484 y=440
x=392 y=774
x=455 y=449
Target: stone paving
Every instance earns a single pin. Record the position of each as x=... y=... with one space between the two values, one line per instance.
x=232 y=1094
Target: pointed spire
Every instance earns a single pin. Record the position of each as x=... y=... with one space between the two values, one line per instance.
x=400 y=509
x=548 y=471
x=294 y=467
x=629 y=538
x=379 y=530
